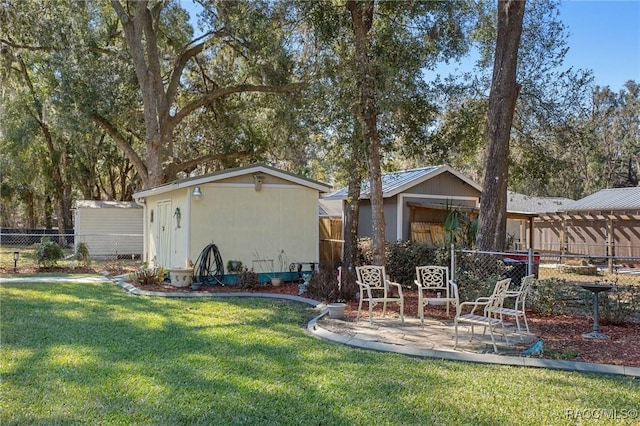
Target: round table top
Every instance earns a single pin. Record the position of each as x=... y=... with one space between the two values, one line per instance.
x=596 y=288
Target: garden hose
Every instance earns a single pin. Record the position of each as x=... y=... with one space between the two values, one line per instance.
x=209 y=269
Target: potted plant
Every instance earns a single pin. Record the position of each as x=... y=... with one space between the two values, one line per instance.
x=234 y=266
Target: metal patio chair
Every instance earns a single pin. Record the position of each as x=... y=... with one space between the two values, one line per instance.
x=375 y=288
x=483 y=312
x=433 y=287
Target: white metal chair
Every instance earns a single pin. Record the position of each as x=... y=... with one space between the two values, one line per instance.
x=518 y=311
x=482 y=312
x=433 y=287
x=376 y=288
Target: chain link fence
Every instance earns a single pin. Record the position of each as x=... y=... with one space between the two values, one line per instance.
x=560 y=280
x=18 y=250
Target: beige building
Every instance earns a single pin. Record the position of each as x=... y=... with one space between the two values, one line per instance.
x=262 y=216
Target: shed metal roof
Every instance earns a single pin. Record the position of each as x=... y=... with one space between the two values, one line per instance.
x=330 y=208
x=96 y=204
x=394 y=183
x=522 y=203
x=614 y=199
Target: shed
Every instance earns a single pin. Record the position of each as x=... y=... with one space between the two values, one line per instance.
x=111 y=229
x=259 y=215
x=415 y=201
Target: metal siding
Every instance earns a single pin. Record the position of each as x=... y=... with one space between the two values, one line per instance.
x=248 y=225
x=365 y=228
x=110 y=231
x=390 y=218
x=444 y=184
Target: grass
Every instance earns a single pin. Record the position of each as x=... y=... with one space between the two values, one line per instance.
x=91 y=354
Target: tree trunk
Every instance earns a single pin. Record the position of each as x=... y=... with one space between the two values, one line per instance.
x=492 y=221
x=362 y=18
x=350 y=250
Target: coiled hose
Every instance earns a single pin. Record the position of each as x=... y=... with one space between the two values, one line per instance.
x=209 y=269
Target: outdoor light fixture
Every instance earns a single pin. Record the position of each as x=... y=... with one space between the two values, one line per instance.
x=197 y=193
x=16 y=256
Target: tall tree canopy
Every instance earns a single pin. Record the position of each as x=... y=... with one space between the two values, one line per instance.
x=106 y=97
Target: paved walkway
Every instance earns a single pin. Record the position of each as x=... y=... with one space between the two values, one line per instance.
x=433 y=339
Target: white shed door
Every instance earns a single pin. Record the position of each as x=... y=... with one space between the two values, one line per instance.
x=163 y=234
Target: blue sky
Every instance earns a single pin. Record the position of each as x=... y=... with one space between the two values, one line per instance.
x=604 y=36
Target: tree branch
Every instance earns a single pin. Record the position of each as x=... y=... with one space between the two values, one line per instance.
x=190 y=165
x=176 y=72
x=226 y=91
x=181 y=62
x=122 y=143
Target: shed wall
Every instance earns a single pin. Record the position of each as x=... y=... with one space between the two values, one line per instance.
x=257 y=226
x=110 y=231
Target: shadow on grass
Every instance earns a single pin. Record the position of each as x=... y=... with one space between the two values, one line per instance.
x=76 y=353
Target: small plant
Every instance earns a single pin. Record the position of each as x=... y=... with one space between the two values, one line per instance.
x=145 y=275
x=570 y=354
x=248 y=279
x=82 y=253
x=234 y=266
x=48 y=253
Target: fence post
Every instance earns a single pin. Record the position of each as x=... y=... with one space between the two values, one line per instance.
x=530 y=262
x=453 y=263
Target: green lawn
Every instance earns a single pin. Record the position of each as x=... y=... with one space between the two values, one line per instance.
x=92 y=354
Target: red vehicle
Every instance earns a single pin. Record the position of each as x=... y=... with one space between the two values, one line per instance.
x=517 y=263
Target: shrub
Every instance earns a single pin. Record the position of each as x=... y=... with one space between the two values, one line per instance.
x=48 y=253
x=617 y=306
x=323 y=285
x=146 y=275
x=472 y=286
x=550 y=296
x=349 y=289
x=403 y=257
x=82 y=253
x=248 y=279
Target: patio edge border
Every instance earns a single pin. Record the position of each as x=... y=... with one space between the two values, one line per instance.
x=321 y=333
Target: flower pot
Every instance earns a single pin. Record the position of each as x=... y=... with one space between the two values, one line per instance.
x=181 y=277
x=336 y=310
x=195 y=285
x=276 y=281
